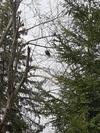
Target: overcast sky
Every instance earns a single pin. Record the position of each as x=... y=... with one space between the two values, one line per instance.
x=29 y=15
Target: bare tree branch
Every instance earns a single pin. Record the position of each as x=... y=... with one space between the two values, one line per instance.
x=24 y=78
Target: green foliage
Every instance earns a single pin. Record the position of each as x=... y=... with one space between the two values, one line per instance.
x=26 y=102
x=79 y=48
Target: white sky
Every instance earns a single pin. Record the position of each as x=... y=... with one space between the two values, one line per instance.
x=29 y=15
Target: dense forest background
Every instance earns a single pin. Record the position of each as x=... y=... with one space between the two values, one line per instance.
x=50 y=66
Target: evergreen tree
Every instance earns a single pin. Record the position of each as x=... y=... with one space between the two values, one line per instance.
x=79 y=49
x=19 y=95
